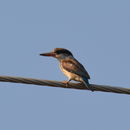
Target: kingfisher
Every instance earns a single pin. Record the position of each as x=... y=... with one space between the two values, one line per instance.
x=71 y=67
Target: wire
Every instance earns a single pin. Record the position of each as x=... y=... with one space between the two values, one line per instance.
x=80 y=86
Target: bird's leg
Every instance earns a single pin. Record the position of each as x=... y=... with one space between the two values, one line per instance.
x=67 y=82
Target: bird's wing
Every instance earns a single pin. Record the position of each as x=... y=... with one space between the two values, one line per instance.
x=72 y=65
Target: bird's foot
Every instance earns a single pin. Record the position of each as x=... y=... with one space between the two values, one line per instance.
x=66 y=83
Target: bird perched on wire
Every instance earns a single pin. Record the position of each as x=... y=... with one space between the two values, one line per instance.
x=70 y=66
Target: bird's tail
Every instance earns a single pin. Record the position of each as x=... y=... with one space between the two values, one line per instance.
x=86 y=83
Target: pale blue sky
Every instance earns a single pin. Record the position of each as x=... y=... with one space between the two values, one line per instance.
x=98 y=34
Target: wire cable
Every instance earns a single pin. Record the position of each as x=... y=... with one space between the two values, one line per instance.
x=80 y=86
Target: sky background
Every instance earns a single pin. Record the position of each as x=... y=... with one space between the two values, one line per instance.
x=98 y=34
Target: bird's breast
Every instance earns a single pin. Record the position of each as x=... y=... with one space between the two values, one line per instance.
x=70 y=75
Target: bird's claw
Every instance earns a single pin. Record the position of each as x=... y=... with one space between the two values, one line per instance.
x=66 y=83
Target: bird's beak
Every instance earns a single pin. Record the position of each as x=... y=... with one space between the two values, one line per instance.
x=52 y=54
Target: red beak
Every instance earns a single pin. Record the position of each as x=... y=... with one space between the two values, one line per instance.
x=48 y=54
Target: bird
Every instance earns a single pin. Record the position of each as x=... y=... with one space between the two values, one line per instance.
x=71 y=67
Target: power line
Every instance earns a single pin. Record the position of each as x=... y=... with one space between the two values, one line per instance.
x=80 y=86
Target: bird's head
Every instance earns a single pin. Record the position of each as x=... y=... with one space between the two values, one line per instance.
x=59 y=53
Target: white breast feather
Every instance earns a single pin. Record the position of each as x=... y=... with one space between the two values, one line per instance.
x=69 y=74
